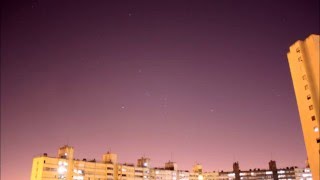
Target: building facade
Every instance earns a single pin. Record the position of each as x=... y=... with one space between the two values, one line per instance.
x=66 y=167
x=303 y=58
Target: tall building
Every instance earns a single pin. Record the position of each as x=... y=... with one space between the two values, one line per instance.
x=303 y=58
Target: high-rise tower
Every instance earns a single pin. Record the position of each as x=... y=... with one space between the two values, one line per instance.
x=303 y=60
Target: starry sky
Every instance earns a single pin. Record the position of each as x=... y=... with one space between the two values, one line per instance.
x=188 y=81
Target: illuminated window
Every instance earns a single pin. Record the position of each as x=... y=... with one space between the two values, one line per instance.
x=310 y=107
x=309 y=97
x=316 y=129
x=313 y=118
x=306 y=87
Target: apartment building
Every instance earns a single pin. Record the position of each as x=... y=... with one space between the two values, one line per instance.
x=303 y=58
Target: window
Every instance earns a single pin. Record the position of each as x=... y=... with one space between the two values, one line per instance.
x=313 y=118
x=44 y=161
x=318 y=140
x=316 y=129
x=310 y=107
x=309 y=97
x=306 y=87
x=304 y=77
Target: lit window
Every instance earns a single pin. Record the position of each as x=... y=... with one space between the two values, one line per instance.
x=309 y=97
x=313 y=118
x=310 y=107
x=316 y=129
x=62 y=169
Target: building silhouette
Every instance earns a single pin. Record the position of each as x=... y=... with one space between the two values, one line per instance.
x=303 y=58
x=273 y=168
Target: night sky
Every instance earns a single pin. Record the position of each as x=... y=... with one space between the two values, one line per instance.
x=198 y=81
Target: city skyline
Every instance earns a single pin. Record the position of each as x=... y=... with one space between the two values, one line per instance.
x=66 y=166
x=202 y=81
x=103 y=158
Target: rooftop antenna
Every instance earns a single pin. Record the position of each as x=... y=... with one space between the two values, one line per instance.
x=68 y=141
x=164 y=106
x=171 y=157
